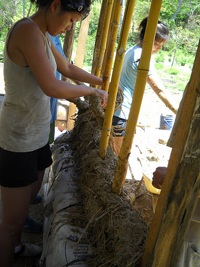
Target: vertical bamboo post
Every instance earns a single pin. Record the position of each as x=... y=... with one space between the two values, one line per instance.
x=152 y=245
x=108 y=41
x=143 y=69
x=99 y=34
x=104 y=37
x=106 y=129
x=114 y=27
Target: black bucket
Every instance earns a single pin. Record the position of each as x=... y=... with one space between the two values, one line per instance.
x=166 y=122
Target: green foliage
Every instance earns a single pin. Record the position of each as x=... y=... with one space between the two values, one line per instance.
x=158 y=65
x=94 y=19
x=174 y=78
x=182 y=17
x=160 y=56
x=7 y=11
x=172 y=70
x=89 y=51
x=10 y=11
x=183 y=59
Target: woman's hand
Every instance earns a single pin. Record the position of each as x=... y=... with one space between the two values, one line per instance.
x=104 y=96
x=92 y=91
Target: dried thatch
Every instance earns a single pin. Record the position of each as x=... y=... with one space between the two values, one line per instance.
x=116 y=230
x=86 y=223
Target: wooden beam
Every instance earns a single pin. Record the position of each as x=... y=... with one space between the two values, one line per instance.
x=181 y=186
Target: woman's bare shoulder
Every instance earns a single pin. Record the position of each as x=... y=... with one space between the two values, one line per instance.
x=26 y=26
x=24 y=38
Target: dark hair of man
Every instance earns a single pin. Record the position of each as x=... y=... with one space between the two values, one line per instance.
x=162 y=31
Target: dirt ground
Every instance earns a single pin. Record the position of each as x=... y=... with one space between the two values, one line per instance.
x=149 y=117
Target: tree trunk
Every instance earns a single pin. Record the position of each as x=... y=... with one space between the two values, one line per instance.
x=69 y=42
x=82 y=38
x=68 y=48
x=80 y=52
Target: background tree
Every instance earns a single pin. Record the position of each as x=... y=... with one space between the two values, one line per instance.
x=182 y=17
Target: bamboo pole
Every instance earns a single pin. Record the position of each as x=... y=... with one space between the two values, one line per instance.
x=114 y=27
x=185 y=118
x=106 y=129
x=143 y=69
x=99 y=35
x=108 y=40
x=104 y=37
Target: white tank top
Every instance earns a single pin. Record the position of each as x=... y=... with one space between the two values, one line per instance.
x=25 y=114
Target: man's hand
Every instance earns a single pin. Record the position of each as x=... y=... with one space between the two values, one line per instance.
x=158 y=177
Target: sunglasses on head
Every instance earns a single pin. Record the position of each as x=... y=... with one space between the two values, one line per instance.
x=81 y=8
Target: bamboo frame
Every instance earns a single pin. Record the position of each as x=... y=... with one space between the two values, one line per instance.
x=143 y=69
x=99 y=35
x=115 y=20
x=104 y=37
x=108 y=41
x=106 y=129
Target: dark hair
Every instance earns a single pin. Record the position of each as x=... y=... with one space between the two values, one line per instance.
x=81 y=6
x=162 y=31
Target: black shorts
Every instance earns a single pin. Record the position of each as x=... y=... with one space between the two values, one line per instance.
x=119 y=126
x=19 y=169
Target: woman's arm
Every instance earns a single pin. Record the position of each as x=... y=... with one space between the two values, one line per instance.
x=73 y=72
x=157 y=86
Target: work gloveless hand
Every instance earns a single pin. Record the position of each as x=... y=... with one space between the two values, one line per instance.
x=158 y=177
x=103 y=95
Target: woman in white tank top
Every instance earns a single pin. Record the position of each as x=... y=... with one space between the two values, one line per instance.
x=30 y=63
